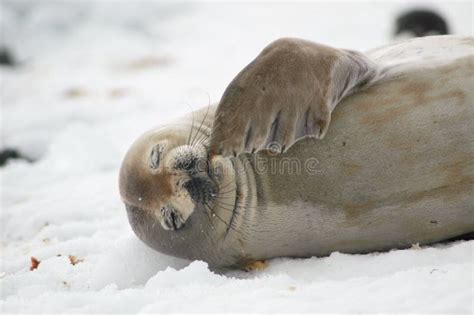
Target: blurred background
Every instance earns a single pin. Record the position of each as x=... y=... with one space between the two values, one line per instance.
x=81 y=80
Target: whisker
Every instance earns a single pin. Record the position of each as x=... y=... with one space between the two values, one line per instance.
x=225 y=192
x=201 y=140
x=225 y=223
x=222 y=190
x=202 y=137
x=214 y=214
x=208 y=217
x=225 y=185
x=202 y=122
x=192 y=126
x=220 y=203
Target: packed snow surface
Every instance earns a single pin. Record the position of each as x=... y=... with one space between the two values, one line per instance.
x=92 y=76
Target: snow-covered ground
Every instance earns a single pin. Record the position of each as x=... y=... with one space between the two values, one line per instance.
x=95 y=75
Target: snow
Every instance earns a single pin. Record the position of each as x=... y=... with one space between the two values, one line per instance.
x=94 y=76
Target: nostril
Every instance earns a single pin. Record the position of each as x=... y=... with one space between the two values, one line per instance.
x=192 y=165
x=187 y=164
x=200 y=189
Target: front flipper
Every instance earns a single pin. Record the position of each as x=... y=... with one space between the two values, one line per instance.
x=289 y=91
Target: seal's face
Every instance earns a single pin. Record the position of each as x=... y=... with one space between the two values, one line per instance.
x=178 y=202
x=165 y=177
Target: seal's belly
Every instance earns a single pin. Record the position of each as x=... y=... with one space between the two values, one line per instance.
x=395 y=168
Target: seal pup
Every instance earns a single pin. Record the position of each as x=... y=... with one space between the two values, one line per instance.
x=394 y=169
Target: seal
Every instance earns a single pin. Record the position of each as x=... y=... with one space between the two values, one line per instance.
x=395 y=167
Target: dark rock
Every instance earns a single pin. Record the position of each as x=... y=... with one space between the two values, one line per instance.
x=11 y=154
x=6 y=58
x=421 y=22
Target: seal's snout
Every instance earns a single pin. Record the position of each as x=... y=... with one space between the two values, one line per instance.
x=201 y=189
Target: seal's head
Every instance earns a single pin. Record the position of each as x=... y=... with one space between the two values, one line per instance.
x=166 y=177
x=173 y=196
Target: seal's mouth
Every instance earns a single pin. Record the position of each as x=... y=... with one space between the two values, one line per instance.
x=172 y=219
x=201 y=190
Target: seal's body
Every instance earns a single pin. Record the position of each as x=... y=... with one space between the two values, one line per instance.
x=394 y=169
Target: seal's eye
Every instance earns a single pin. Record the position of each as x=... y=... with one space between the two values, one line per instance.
x=155 y=156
